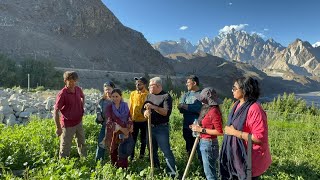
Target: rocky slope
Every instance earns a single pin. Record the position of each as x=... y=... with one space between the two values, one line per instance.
x=219 y=73
x=299 y=58
x=78 y=34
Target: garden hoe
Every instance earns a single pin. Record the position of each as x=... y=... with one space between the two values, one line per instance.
x=191 y=157
x=150 y=144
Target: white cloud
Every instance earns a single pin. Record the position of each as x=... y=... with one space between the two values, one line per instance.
x=317 y=44
x=259 y=34
x=227 y=29
x=183 y=28
x=266 y=29
x=230 y=3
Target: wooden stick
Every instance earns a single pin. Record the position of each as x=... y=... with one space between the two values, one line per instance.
x=150 y=145
x=196 y=141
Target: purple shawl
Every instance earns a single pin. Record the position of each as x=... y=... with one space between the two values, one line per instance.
x=122 y=113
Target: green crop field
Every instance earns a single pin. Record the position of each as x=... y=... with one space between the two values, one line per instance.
x=30 y=152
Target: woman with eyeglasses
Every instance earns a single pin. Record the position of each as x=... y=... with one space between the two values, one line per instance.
x=246 y=117
x=101 y=116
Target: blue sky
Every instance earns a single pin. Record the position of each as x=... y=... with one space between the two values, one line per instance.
x=158 y=20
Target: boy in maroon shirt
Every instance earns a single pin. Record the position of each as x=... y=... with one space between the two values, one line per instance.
x=70 y=103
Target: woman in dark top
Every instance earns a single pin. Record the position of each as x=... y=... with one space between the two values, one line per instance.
x=210 y=120
x=101 y=116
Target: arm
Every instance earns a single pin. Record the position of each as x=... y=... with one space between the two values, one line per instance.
x=195 y=107
x=57 y=121
x=257 y=124
x=167 y=106
x=131 y=103
x=99 y=118
x=59 y=104
x=216 y=119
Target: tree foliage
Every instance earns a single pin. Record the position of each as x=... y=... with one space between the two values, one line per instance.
x=42 y=73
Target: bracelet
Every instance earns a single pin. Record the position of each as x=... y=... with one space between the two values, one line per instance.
x=241 y=135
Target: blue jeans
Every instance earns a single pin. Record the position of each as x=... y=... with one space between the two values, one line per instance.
x=100 y=152
x=160 y=138
x=210 y=153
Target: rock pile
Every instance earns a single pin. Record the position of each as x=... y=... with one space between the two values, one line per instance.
x=16 y=106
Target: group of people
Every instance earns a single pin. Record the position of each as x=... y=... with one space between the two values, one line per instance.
x=121 y=124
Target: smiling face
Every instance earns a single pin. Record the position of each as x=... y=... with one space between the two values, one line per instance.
x=116 y=98
x=107 y=91
x=191 y=85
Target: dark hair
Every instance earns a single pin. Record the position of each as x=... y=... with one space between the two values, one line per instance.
x=250 y=88
x=109 y=83
x=194 y=78
x=70 y=75
x=116 y=90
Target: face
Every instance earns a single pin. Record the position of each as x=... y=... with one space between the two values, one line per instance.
x=191 y=84
x=153 y=87
x=107 y=91
x=139 y=85
x=116 y=98
x=71 y=83
x=237 y=92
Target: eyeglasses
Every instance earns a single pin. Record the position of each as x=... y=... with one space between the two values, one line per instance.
x=151 y=85
x=234 y=89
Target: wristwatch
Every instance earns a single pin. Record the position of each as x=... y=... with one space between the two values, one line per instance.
x=203 y=131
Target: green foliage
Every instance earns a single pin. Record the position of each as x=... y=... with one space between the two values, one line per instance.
x=290 y=108
x=34 y=147
x=42 y=73
x=8 y=71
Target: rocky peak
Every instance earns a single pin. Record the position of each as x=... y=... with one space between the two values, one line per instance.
x=299 y=57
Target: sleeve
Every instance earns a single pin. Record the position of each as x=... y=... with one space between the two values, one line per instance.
x=257 y=122
x=183 y=98
x=99 y=112
x=167 y=104
x=131 y=102
x=60 y=101
x=182 y=101
x=216 y=119
x=147 y=100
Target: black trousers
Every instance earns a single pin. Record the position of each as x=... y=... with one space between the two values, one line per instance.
x=187 y=135
x=142 y=127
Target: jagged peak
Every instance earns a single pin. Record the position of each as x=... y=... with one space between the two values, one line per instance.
x=300 y=43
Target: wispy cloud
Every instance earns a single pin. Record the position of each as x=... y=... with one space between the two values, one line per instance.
x=182 y=28
x=259 y=34
x=317 y=44
x=266 y=29
x=230 y=3
x=227 y=29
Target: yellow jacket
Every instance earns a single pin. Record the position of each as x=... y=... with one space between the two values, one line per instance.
x=137 y=99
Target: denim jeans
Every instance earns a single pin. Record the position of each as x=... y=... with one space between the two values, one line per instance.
x=100 y=152
x=160 y=138
x=210 y=153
